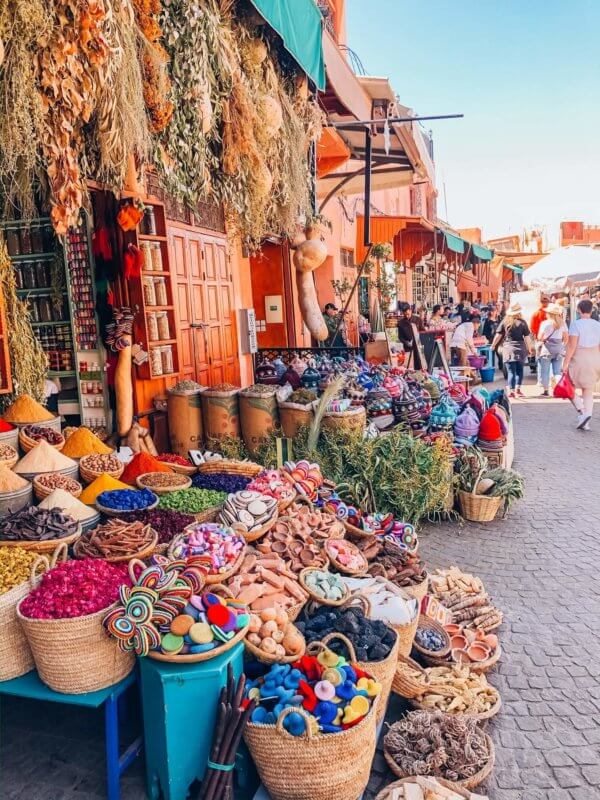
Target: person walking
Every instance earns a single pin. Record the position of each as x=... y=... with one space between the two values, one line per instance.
x=582 y=361
x=534 y=325
x=514 y=335
x=408 y=336
x=490 y=324
x=461 y=342
x=552 y=338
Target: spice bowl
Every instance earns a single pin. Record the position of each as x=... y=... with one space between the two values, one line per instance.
x=152 y=480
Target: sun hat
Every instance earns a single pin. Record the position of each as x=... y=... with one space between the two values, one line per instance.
x=554 y=308
x=515 y=308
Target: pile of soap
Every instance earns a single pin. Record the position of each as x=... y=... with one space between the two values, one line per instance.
x=306 y=478
x=372 y=639
x=326 y=585
x=336 y=695
x=247 y=511
x=272 y=484
x=272 y=632
x=213 y=546
x=264 y=581
x=347 y=555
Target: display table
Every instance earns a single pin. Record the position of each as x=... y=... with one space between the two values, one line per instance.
x=179 y=704
x=31 y=687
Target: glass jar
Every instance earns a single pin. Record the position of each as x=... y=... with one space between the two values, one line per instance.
x=25 y=240
x=18 y=277
x=29 y=275
x=160 y=288
x=152 y=325
x=167 y=359
x=37 y=238
x=34 y=311
x=45 y=306
x=149 y=291
x=13 y=243
x=149 y=221
x=48 y=238
x=156 y=361
x=156 y=256
x=42 y=274
x=146 y=249
x=162 y=319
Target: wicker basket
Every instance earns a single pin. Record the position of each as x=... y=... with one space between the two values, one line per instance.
x=321 y=600
x=267 y=658
x=180 y=469
x=76 y=656
x=478 y=507
x=341 y=567
x=388 y=793
x=416 y=703
x=147 y=551
x=480 y=667
x=111 y=512
x=26 y=443
x=406 y=635
x=353 y=420
x=44 y=546
x=42 y=491
x=89 y=475
x=383 y=671
x=254 y=536
x=247 y=469
x=404 y=684
x=418 y=590
x=160 y=490
x=467 y=783
x=208 y=515
x=427 y=623
x=317 y=766
x=212 y=580
x=357 y=533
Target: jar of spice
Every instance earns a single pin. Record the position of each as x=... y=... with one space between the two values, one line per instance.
x=42 y=273
x=37 y=239
x=45 y=306
x=13 y=243
x=149 y=221
x=162 y=320
x=146 y=249
x=167 y=359
x=156 y=361
x=156 y=256
x=29 y=276
x=160 y=288
x=152 y=324
x=25 y=240
x=149 y=291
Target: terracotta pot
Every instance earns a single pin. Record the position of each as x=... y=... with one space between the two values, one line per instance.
x=458 y=642
x=478 y=652
x=460 y=656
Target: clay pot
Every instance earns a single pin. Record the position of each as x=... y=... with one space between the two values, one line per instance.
x=460 y=656
x=458 y=642
x=478 y=652
x=452 y=629
x=492 y=640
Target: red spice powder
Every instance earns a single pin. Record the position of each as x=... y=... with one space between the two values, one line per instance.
x=139 y=464
x=5 y=426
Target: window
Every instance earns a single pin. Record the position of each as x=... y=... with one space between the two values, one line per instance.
x=346 y=257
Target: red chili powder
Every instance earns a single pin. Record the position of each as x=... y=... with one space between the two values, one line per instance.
x=139 y=464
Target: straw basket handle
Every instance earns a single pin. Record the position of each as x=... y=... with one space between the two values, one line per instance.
x=40 y=561
x=362 y=601
x=335 y=635
x=60 y=554
x=308 y=734
x=133 y=563
x=220 y=587
x=301 y=498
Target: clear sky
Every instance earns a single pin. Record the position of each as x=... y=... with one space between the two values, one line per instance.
x=526 y=75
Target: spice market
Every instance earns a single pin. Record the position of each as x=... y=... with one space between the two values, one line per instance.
x=240 y=476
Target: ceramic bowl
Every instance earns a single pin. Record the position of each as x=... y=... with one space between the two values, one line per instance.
x=452 y=629
x=478 y=652
x=458 y=642
x=460 y=656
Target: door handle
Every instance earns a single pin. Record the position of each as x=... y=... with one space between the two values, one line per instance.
x=198 y=325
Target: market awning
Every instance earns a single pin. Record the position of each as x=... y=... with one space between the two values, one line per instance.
x=300 y=25
x=343 y=94
x=514 y=268
x=454 y=243
x=482 y=253
x=332 y=152
x=391 y=229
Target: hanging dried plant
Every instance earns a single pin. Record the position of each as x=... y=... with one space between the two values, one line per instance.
x=157 y=85
x=28 y=360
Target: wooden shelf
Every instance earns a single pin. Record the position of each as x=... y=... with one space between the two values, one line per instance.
x=41 y=291
x=67 y=373
x=160 y=274
x=32 y=257
x=55 y=322
x=159 y=342
x=158 y=308
x=151 y=237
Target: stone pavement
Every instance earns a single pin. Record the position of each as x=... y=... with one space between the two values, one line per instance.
x=541 y=566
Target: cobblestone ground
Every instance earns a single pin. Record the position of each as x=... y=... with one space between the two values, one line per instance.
x=541 y=566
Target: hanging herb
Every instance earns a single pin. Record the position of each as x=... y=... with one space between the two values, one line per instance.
x=28 y=360
x=157 y=85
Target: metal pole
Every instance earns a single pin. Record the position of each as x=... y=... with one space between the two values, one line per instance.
x=353 y=290
x=360 y=123
x=368 y=160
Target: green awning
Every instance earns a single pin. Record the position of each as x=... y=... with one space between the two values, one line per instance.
x=454 y=243
x=299 y=23
x=514 y=267
x=482 y=253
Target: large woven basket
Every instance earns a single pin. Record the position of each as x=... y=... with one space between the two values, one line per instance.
x=160 y=490
x=353 y=420
x=382 y=671
x=89 y=475
x=26 y=443
x=75 y=656
x=247 y=469
x=321 y=601
x=415 y=702
x=42 y=491
x=268 y=658
x=426 y=622
x=406 y=635
x=44 y=546
x=467 y=783
x=321 y=766
x=146 y=552
x=478 y=507
x=404 y=683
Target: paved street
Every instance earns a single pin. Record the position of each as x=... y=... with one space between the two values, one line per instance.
x=540 y=564
x=541 y=567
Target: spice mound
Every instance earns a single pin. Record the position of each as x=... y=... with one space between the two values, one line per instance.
x=37 y=524
x=192 y=501
x=26 y=409
x=167 y=524
x=187 y=386
x=82 y=442
x=101 y=462
x=65 y=502
x=43 y=458
x=8 y=453
x=163 y=480
x=220 y=482
x=173 y=458
x=56 y=480
x=115 y=539
x=140 y=464
x=74 y=589
x=15 y=567
x=127 y=499
x=10 y=481
x=373 y=640
x=104 y=483
x=438 y=744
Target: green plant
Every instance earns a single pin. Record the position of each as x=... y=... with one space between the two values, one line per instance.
x=381 y=251
x=508 y=484
x=341 y=289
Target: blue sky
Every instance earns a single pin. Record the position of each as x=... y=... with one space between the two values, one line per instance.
x=527 y=77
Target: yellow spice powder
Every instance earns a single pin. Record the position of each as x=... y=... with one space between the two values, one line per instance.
x=102 y=484
x=82 y=442
x=25 y=409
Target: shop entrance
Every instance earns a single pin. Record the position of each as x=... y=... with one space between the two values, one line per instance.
x=204 y=305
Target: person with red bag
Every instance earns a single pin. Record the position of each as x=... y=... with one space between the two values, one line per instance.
x=582 y=362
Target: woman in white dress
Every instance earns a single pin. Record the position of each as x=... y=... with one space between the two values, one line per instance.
x=583 y=361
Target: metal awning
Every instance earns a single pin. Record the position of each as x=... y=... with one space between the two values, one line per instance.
x=300 y=25
x=482 y=253
x=514 y=268
x=454 y=243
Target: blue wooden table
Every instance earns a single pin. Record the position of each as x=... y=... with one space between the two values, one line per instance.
x=31 y=687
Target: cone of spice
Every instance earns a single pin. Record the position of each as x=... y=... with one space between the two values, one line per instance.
x=25 y=409
x=82 y=442
x=102 y=484
x=43 y=458
x=68 y=505
x=10 y=481
x=139 y=465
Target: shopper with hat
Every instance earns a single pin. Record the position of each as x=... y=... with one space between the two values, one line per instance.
x=514 y=335
x=583 y=361
x=331 y=317
x=552 y=338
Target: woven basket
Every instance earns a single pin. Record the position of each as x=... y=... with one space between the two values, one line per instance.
x=267 y=658
x=221 y=577
x=478 y=507
x=141 y=554
x=416 y=703
x=208 y=515
x=321 y=600
x=111 y=512
x=41 y=491
x=357 y=533
x=406 y=635
x=260 y=532
x=341 y=567
x=382 y=671
x=26 y=443
x=287 y=501
x=319 y=766
x=15 y=654
x=89 y=475
x=467 y=783
x=159 y=490
x=180 y=469
x=430 y=624
x=247 y=469
x=480 y=667
x=76 y=656
x=353 y=420
x=418 y=590
x=44 y=546
x=294 y=612
x=388 y=792
x=404 y=684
